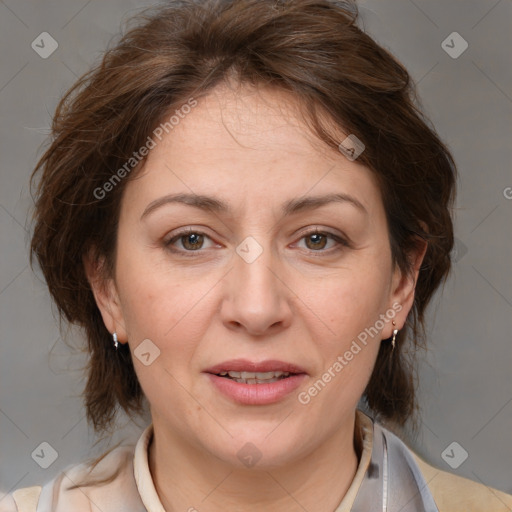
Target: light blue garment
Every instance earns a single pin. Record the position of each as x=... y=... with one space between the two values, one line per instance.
x=393 y=482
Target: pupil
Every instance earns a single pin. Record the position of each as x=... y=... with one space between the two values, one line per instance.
x=192 y=240
x=317 y=239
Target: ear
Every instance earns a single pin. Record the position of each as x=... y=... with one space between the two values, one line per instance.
x=403 y=287
x=105 y=294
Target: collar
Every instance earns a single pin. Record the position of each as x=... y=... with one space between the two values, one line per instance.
x=142 y=474
x=150 y=499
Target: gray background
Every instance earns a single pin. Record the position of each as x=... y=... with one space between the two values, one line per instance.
x=466 y=382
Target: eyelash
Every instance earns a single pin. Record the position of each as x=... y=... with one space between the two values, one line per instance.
x=342 y=243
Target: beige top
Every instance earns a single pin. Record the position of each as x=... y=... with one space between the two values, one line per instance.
x=131 y=488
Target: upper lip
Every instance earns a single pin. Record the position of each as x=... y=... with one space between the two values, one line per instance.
x=244 y=365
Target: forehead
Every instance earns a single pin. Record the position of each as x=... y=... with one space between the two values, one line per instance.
x=249 y=120
x=246 y=144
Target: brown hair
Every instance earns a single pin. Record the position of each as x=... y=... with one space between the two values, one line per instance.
x=310 y=48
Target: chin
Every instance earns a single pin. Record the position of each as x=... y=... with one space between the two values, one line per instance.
x=263 y=448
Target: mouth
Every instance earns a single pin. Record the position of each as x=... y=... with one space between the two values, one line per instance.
x=251 y=371
x=255 y=377
x=255 y=383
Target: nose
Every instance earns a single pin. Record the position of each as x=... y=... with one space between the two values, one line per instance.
x=256 y=299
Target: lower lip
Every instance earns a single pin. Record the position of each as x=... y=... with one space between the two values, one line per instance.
x=257 y=394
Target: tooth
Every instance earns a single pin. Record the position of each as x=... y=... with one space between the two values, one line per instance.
x=266 y=375
x=256 y=381
x=256 y=377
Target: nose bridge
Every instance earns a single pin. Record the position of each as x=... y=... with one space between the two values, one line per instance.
x=257 y=298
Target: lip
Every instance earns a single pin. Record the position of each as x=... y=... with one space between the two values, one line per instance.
x=256 y=394
x=244 y=365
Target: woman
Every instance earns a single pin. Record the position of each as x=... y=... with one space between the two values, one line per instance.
x=247 y=214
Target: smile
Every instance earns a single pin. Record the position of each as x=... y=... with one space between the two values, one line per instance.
x=255 y=377
x=255 y=391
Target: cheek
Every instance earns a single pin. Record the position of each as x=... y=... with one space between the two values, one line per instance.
x=168 y=308
x=343 y=313
x=347 y=301
x=153 y=297
x=348 y=352
x=161 y=313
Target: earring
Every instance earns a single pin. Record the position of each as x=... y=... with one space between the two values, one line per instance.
x=395 y=332
x=114 y=336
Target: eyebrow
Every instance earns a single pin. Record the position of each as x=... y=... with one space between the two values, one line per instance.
x=214 y=205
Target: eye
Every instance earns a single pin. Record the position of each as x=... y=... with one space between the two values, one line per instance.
x=317 y=241
x=191 y=240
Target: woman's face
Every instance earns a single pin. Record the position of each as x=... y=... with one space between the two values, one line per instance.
x=242 y=276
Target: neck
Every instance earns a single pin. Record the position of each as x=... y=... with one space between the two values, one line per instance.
x=189 y=479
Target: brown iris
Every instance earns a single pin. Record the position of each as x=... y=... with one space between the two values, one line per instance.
x=320 y=240
x=193 y=240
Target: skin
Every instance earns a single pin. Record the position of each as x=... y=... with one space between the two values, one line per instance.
x=303 y=300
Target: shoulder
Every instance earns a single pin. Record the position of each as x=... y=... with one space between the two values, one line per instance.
x=108 y=484
x=454 y=493
x=23 y=499
x=7 y=503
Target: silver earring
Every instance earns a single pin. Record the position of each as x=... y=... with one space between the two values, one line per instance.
x=393 y=340
x=114 y=336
